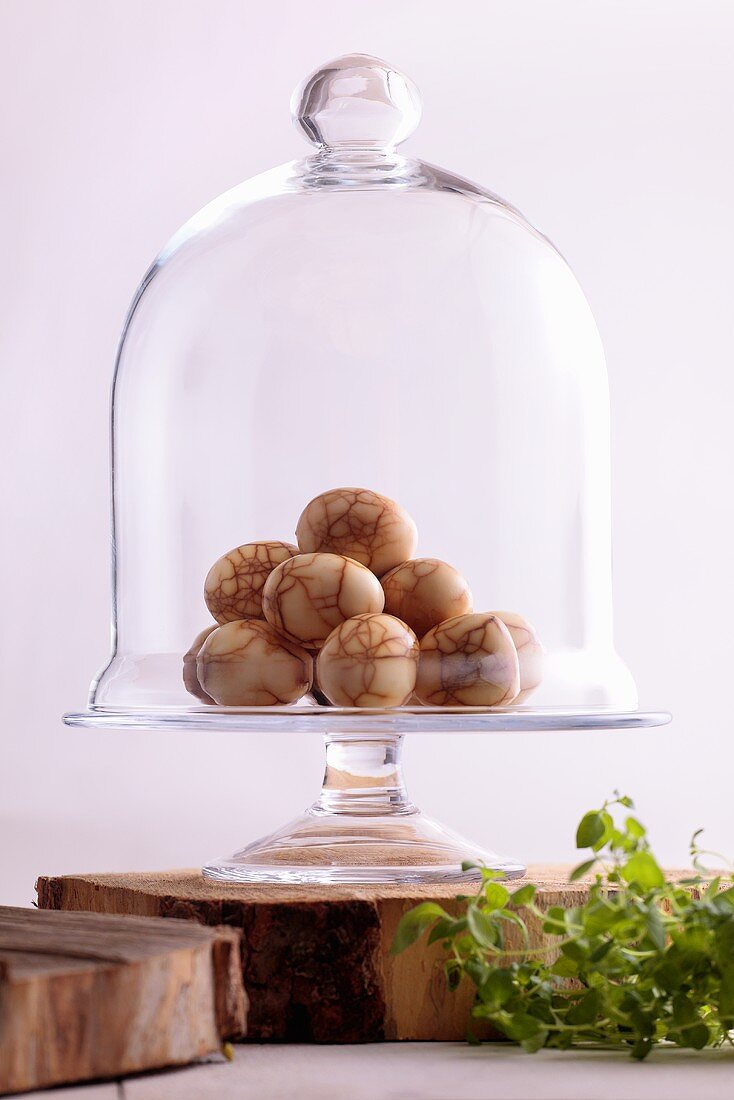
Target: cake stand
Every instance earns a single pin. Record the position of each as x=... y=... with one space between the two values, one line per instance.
x=363 y=828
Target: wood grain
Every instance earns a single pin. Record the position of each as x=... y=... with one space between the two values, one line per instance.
x=84 y=996
x=316 y=960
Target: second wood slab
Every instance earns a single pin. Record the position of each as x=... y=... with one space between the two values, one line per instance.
x=84 y=996
x=316 y=960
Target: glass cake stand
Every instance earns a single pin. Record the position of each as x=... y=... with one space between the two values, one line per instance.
x=363 y=828
x=362 y=318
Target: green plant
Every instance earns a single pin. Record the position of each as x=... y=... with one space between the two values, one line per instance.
x=641 y=961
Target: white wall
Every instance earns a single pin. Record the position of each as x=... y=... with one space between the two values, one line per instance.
x=610 y=126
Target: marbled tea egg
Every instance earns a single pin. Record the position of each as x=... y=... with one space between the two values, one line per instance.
x=529 y=648
x=307 y=596
x=424 y=592
x=248 y=664
x=469 y=660
x=369 y=661
x=360 y=524
x=190 y=679
x=233 y=586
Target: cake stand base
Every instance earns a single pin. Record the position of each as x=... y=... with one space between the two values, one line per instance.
x=362 y=829
x=322 y=848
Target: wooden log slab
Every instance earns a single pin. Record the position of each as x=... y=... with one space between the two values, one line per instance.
x=316 y=959
x=84 y=996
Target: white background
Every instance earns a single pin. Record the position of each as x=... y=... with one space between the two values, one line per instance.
x=610 y=126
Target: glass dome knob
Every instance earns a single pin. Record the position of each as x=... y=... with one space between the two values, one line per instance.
x=358 y=102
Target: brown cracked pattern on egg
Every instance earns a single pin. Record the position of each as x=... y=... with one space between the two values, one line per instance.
x=424 y=592
x=308 y=596
x=469 y=660
x=369 y=661
x=190 y=679
x=248 y=664
x=530 y=651
x=360 y=524
x=233 y=586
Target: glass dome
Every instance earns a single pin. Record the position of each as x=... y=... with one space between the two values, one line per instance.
x=362 y=318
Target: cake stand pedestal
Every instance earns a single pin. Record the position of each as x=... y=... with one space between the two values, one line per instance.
x=363 y=828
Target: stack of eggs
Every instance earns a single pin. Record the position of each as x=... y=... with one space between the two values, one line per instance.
x=351 y=618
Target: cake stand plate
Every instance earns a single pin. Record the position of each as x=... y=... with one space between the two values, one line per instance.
x=318 y=719
x=363 y=828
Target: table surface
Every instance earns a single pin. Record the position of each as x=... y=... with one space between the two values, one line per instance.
x=426 y=1071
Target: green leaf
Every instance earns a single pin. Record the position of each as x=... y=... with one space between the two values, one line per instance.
x=668 y=975
x=607 y=839
x=726 y=896
x=564 y=967
x=524 y=896
x=481 y=927
x=601 y=917
x=642 y=868
x=693 y=943
x=635 y=828
x=490 y=875
x=554 y=927
x=497 y=988
x=496 y=895
x=655 y=928
x=726 y=994
x=723 y=942
x=511 y=918
x=684 y=1011
x=698 y=1036
x=414 y=923
x=476 y=970
x=574 y=950
x=536 y=1042
x=591 y=829
x=581 y=869
x=641 y=1049
x=445 y=928
x=521 y=1026
x=586 y=1010
x=453 y=971
x=694 y=1038
x=601 y=951
x=470 y=865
